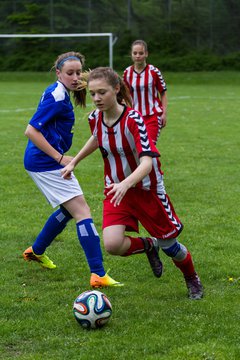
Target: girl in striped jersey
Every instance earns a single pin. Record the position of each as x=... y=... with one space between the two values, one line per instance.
x=134 y=189
x=147 y=88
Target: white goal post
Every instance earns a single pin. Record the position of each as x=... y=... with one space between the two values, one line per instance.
x=111 y=39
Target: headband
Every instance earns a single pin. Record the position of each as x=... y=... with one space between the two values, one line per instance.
x=60 y=64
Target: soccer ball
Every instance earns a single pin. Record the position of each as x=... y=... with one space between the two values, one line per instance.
x=92 y=309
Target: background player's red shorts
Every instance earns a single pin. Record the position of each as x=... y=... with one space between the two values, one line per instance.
x=154 y=211
x=154 y=125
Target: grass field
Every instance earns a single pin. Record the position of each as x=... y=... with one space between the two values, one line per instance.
x=152 y=318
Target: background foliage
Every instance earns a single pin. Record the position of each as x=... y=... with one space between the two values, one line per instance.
x=182 y=34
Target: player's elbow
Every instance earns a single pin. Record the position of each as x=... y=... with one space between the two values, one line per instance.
x=148 y=163
x=29 y=131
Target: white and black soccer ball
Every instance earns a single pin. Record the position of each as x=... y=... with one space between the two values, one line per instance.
x=92 y=309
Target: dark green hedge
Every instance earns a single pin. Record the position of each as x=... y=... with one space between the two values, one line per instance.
x=40 y=54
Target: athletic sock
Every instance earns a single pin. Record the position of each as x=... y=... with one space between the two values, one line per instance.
x=90 y=241
x=136 y=247
x=54 y=226
x=186 y=266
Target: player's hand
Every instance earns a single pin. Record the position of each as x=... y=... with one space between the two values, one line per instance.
x=163 y=120
x=67 y=170
x=119 y=190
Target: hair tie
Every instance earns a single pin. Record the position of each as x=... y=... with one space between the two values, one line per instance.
x=61 y=159
x=60 y=64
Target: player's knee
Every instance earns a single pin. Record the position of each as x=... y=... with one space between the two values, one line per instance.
x=111 y=249
x=112 y=246
x=176 y=251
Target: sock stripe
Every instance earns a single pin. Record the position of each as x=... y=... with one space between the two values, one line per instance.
x=60 y=217
x=94 y=229
x=82 y=230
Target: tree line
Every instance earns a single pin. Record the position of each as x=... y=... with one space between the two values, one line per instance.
x=182 y=35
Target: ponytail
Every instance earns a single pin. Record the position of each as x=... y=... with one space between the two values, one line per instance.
x=124 y=97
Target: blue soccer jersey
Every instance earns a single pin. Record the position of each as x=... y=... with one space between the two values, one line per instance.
x=54 y=118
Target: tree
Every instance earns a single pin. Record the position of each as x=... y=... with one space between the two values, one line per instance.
x=172 y=28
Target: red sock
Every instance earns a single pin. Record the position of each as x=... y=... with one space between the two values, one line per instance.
x=186 y=266
x=136 y=247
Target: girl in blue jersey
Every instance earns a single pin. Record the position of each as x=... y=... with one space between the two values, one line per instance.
x=50 y=133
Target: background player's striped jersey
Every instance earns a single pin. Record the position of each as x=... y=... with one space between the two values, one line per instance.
x=122 y=145
x=145 y=88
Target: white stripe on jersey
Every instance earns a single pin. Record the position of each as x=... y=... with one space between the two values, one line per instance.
x=119 y=144
x=159 y=177
x=111 y=159
x=142 y=109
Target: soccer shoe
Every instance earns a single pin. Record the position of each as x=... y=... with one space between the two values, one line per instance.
x=97 y=281
x=43 y=259
x=152 y=248
x=195 y=288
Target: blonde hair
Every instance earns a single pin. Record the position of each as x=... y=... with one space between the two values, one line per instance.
x=79 y=95
x=113 y=79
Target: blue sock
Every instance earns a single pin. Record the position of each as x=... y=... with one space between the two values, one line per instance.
x=90 y=241
x=54 y=226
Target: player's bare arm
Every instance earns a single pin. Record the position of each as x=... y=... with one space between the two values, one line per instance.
x=164 y=105
x=90 y=146
x=120 y=189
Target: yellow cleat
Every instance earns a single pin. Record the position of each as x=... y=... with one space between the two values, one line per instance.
x=97 y=281
x=43 y=259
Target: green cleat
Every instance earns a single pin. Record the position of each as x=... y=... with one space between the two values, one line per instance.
x=43 y=259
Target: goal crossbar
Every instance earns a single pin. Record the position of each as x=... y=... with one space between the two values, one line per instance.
x=109 y=35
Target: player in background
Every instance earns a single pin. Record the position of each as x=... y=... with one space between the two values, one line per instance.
x=134 y=189
x=147 y=88
x=50 y=133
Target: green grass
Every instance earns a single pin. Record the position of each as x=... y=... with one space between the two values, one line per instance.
x=152 y=318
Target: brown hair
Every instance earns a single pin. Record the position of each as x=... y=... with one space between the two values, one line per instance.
x=113 y=79
x=80 y=94
x=140 y=42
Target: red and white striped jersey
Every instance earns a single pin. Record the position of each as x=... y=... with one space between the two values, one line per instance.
x=145 y=88
x=122 y=145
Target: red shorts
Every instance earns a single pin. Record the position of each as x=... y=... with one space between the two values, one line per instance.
x=154 y=211
x=154 y=124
